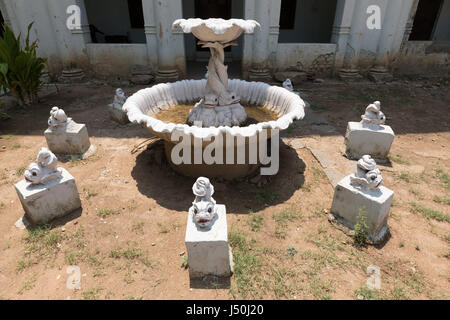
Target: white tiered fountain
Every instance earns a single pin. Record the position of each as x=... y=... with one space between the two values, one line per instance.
x=218 y=112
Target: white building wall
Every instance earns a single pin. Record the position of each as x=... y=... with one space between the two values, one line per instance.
x=352 y=44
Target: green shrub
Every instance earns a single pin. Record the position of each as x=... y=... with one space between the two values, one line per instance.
x=20 y=68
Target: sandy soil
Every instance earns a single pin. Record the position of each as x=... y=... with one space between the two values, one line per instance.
x=128 y=238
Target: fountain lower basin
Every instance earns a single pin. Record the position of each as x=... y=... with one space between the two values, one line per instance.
x=147 y=102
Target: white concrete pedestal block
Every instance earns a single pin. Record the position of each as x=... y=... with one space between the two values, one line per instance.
x=374 y=140
x=45 y=202
x=348 y=200
x=70 y=139
x=208 y=249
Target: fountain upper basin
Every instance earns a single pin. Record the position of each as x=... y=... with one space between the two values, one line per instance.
x=216 y=29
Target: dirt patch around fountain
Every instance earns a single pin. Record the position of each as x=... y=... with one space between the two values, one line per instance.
x=128 y=238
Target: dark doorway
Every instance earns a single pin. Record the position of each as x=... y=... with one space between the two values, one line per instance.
x=205 y=9
x=425 y=20
x=306 y=21
x=2 y=22
x=115 y=21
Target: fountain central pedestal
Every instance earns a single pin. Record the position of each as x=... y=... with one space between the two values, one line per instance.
x=220 y=106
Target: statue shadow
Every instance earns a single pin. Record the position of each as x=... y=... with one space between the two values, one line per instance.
x=57 y=222
x=210 y=282
x=157 y=180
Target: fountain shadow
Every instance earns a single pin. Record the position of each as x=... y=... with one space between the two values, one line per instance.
x=210 y=282
x=156 y=179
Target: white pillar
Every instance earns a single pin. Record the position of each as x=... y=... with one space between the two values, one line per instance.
x=341 y=29
x=391 y=21
x=167 y=70
x=349 y=69
x=150 y=33
x=260 y=61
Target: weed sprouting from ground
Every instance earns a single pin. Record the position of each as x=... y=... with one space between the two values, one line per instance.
x=106 y=212
x=184 y=262
x=131 y=253
x=255 y=221
x=443 y=177
x=291 y=250
x=429 y=213
x=397 y=159
x=360 y=236
x=441 y=200
x=281 y=221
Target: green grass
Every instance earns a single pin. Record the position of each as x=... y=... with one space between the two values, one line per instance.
x=115 y=253
x=429 y=213
x=321 y=289
x=281 y=283
x=370 y=294
x=306 y=187
x=265 y=195
x=25 y=263
x=89 y=193
x=291 y=250
x=106 y=212
x=131 y=253
x=360 y=236
x=447 y=238
x=40 y=243
x=441 y=200
x=163 y=228
x=184 y=262
x=15 y=146
x=75 y=160
x=255 y=221
x=443 y=177
x=397 y=159
x=28 y=285
x=138 y=227
x=281 y=221
x=20 y=171
x=41 y=238
x=405 y=177
x=416 y=192
x=247 y=264
x=318 y=174
x=92 y=294
x=70 y=258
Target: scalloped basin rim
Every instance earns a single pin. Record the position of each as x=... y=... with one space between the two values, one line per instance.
x=288 y=105
x=217 y=25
